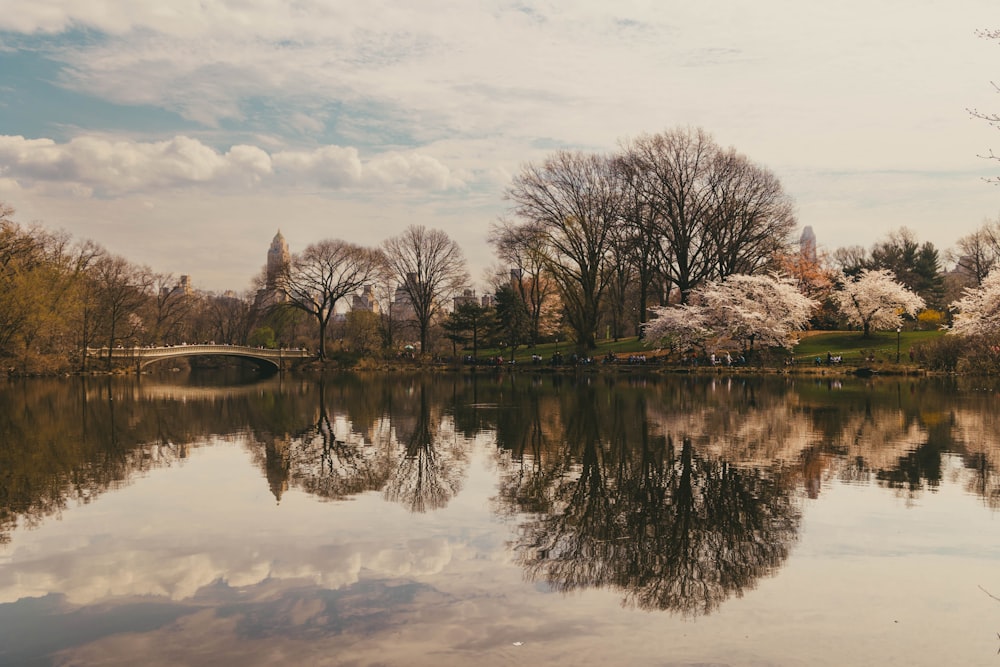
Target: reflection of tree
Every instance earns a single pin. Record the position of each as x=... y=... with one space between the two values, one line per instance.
x=625 y=509
x=68 y=441
x=985 y=481
x=371 y=436
x=327 y=464
x=902 y=434
x=430 y=471
x=71 y=440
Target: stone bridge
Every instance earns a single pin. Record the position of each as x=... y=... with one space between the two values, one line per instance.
x=143 y=356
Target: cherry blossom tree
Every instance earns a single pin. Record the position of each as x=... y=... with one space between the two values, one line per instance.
x=683 y=326
x=748 y=310
x=874 y=300
x=978 y=312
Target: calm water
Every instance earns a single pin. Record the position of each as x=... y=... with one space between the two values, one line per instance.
x=452 y=520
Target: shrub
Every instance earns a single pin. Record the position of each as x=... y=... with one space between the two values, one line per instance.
x=930 y=319
x=941 y=354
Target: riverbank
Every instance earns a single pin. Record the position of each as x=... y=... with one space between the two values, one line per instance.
x=818 y=353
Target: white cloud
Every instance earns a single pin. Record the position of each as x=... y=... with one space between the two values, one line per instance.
x=91 y=571
x=116 y=167
x=397 y=98
x=411 y=169
x=333 y=166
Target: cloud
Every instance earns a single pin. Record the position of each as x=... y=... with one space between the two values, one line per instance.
x=332 y=166
x=411 y=169
x=443 y=98
x=92 y=571
x=116 y=167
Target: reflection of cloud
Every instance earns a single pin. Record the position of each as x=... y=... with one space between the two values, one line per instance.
x=98 y=570
x=381 y=623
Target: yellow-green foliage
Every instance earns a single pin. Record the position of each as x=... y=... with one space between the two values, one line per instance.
x=930 y=318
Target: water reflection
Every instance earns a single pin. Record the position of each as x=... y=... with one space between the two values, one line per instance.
x=617 y=497
x=677 y=493
x=404 y=447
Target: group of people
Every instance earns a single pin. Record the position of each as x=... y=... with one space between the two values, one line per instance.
x=632 y=359
x=727 y=360
x=830 y=359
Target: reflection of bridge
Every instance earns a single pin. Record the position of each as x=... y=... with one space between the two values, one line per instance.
x=143 y=356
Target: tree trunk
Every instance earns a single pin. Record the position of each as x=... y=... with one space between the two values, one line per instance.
x=322 y=339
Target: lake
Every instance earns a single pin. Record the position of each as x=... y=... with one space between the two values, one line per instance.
x=507 y=519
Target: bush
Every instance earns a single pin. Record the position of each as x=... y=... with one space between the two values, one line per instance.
x=982 y=355
x=963 y=354
x=930 y=319
x=941 y=354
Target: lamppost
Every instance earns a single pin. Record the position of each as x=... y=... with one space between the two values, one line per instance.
x=898 y=329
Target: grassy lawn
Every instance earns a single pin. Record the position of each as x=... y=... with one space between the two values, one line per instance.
x=624 y=346
x=854 y=348
x=848 y=344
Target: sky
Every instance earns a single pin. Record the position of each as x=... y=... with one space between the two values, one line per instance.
x=183 y=134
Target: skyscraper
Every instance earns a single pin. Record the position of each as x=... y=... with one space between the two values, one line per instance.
x=278 y=259
x=807 y=243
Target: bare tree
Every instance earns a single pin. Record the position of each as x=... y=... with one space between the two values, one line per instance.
x=323 y=274
x=992 y=118
x=120 y=290
x=852 y=260
x=671 y=170
x=713 y=212
x=753 y=218
x=573 y=202
x=639 y=244
x=171 y=306
x=429 y=267
x=978 y=253
x=228 y=318
x=524 y=253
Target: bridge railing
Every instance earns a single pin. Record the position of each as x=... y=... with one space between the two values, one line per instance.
x=186 y=350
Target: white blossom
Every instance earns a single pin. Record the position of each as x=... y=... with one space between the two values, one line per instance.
x=742 y=309
x=875 y=300
x=978 y=311
x=682 y=325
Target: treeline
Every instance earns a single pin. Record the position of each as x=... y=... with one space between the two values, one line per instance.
x=592 y=244
x=59 y=297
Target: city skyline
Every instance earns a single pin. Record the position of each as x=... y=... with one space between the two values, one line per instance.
x=184 y=136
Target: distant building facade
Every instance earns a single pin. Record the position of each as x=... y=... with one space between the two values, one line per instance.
x=469 y=296
x=182 y=288
x=807 y=243
x=278 y=261
x=402 y=305
x=366 y=300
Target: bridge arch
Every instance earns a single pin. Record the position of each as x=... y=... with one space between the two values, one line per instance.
x=144 y=356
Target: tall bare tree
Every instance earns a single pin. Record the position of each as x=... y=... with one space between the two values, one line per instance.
x=120 y=290
x=573 y=202
x=228 y=318
x=323 y=274
x=978 y=253
x=429 y=267
x=524 y=253
x=993 y=118
x=753 y=218
x=640 y=244
x=170 y=308
x=671 y=170
x=714 y=212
